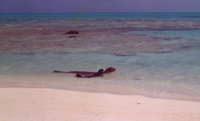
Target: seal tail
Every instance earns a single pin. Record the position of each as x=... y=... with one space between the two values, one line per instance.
x=55 y=71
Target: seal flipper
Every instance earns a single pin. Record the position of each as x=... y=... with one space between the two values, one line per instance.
x=99 y=73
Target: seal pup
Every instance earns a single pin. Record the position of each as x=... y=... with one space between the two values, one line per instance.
x=99 y=73
x=108 y=70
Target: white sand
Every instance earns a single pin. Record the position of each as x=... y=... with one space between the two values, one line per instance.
x=33 y=104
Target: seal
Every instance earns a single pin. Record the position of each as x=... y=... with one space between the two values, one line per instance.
x=108 y=70
x=99 y=73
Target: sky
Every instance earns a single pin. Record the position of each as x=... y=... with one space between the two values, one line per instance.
x=98 y=6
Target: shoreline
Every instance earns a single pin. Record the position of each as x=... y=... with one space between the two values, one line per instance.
x=50 y=83
x=53 y=104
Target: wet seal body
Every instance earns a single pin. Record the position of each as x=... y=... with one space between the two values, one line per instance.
x=86 y=74
x=99 y=73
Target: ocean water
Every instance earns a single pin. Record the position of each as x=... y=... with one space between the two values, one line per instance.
x=106 y=16
x=155 y=54
x=184 y=34
x=33 y=18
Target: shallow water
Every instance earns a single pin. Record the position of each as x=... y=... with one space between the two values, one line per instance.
x=169 y=73
x=183 y=34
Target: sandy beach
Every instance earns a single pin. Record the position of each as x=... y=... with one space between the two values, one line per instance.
x=42 y=104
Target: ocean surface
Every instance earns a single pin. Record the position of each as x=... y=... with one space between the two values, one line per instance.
x=155 y=54
x=107 y=16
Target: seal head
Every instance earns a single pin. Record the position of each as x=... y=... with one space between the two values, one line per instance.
x=109 y=70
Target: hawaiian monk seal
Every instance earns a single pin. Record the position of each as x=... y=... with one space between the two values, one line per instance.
x=108 y=70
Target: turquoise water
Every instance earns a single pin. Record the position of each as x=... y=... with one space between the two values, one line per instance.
x=168 y=74
x=162 y=61
x=106 y=16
